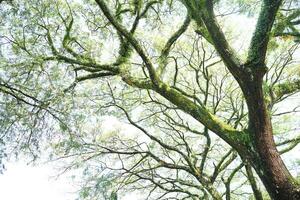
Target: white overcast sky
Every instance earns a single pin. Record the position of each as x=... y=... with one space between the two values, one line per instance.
x=24 y=182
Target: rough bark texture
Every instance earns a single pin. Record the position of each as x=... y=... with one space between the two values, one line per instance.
x=267 y=161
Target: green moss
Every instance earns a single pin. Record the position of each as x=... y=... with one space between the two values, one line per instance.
x=287 y=88
x=223 y=130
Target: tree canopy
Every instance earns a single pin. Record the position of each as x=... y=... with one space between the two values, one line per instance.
x=187 y=99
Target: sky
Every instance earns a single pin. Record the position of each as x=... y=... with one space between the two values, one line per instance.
x=24 y=182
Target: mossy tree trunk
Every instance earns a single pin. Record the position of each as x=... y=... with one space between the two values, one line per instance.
x=266 y=159
x=262 y=152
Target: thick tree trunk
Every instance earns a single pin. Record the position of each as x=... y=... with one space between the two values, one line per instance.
x=267 y=161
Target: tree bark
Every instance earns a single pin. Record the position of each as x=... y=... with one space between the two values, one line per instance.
x=266 y=158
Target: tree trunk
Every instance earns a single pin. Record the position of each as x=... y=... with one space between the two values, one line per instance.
x=267 y=161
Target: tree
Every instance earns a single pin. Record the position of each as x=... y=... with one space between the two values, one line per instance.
x=188 y=86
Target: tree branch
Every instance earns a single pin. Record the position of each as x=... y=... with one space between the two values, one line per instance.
x=286 y=88
x=202 y=12
x=261 y=35
x=131 y=40
x=166 y=50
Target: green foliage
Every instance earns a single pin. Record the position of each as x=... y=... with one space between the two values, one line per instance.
x=99 y=188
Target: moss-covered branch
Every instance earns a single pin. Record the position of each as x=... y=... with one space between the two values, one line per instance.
x=166 y=50
x=261 y=35
x=237 y=139
x=131 y=39
x=202 y=12
x=286 y=88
